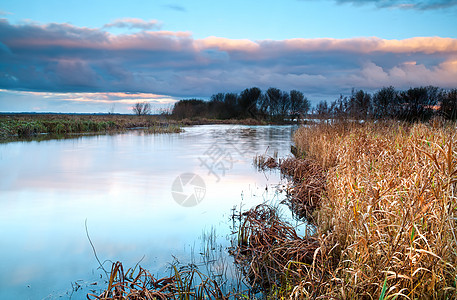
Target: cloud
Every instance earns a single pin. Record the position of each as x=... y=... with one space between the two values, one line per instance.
x=84 y=102
x=62 y=58
x=132 y=23
x=404 y=4
x=175 y=7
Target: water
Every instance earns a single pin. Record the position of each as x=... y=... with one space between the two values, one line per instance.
x=121 y=184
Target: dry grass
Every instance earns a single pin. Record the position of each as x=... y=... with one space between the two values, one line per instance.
x=262 y=162
x=270 y=252
x=185 y=284
x=387 y=224
x=308 y=184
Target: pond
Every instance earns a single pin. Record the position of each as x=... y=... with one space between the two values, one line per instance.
x=127 y=188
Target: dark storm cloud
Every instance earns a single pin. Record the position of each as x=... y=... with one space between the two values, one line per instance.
x=65 y=58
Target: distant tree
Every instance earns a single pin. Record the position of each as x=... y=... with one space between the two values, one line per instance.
x=418 y=104
x=215 y=108
x=359 y=104
x=299 y=104
x=142 y=108
x=232 y=109
x=385 y=103
x=284 y=105
x=448 y=107
x=219 y=97
x=248 y=101
x=190 y=108
x=322 y=110
x=271 y=102
x=339 y=108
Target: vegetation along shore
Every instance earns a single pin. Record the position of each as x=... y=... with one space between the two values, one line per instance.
x=25 y=125
x=381 y=197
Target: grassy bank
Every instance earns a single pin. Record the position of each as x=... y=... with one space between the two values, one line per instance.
x=23 y=125
x=27 y=125
x=385 y=218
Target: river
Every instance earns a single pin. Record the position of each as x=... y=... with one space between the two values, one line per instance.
x=127 y=188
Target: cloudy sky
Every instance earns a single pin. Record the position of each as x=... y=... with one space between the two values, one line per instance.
x=105 y=55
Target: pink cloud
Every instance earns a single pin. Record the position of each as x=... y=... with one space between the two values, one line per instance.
x=66 y=58
x=125 y=98
x=225 y=44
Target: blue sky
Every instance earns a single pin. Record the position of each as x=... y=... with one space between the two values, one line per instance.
x=241 y=19
x=91 y=56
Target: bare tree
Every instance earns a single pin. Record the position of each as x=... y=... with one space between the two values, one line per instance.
x=448 y=106
x=141 y=108
x=385 y=102
x=359 y=105
x=299 y=104
x=248 y=101
x=322 y=110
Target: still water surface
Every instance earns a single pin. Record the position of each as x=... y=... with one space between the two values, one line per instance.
x=121 y=184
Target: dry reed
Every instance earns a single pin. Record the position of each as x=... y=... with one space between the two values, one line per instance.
x=386 y=226
x=270 y=252
x=186 y=283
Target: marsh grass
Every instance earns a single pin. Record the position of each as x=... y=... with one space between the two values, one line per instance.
x=263 y=161
x=185 y=283
x=23 y=125
x=270 y=253
x=386 y=224
x=383 y=199
x=306 y=182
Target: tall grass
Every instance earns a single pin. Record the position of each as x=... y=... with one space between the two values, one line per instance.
x=387 y=222
x=270 y=253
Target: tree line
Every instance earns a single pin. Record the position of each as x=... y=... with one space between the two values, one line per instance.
x=415 y=104
x=272 y=105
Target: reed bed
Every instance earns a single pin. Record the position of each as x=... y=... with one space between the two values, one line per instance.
x=387 y=222
x=382 y=198
x=307 y=182
x=186 y=283
x=270 y=253
x=262 y=162
x=308 y=186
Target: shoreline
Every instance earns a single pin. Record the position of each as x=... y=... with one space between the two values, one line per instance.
x=24 y=125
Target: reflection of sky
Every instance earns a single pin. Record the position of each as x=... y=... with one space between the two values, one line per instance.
x=122 y=185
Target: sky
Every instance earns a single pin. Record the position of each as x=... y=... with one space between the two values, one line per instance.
x=103 y=56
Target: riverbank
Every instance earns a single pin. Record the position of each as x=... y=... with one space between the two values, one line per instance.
x=385 y=219
x=26 y=125
x=29 y=125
